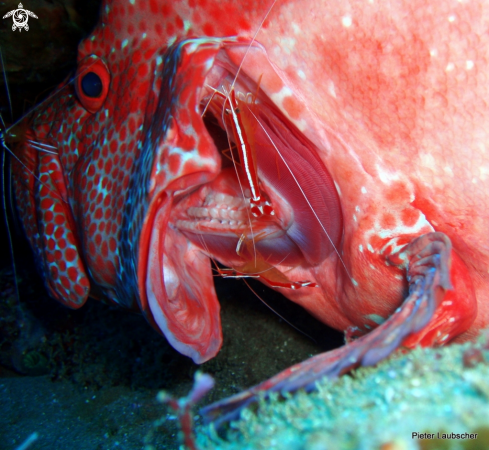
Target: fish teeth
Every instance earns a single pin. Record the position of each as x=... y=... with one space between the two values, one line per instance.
x=204 y=226
x=224 y=212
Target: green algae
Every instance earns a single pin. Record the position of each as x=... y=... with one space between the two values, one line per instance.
x=423 y=391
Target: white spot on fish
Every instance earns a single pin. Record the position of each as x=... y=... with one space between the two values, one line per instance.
x=357 y=208
x=208 y=66
x=296 y=28
x=450 y=67
x=364 y=191
x=370 y=248
x=427 y=160
x=451 y=18
x=372 y=267
x=132 y=2
x=144 y=35
x=287 y=44
x=360 y=247
x=434 y=53
x=448 y=170
x=452 y=319
x=279 y=97
x=124 y=43
x=397 y=276
x=386 y=176
x=337 y=188
x=355 y=283
x=187 y=25
x=399 y=230
x=469 y=65
x=301 y=74
x=346 y=21
x=483 y=172
x=354 y=217
x=375 y=318
x=447 y=303
x=331 y=89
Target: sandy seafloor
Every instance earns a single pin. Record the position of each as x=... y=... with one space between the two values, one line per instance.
x=88 y=379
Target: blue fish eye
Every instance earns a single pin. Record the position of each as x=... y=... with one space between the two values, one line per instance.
x=91 y=85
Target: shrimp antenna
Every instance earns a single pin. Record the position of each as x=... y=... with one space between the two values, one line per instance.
x=252 y=42
x=280 y=315
x=50 y=96
x=9 y=232
x=4 y=70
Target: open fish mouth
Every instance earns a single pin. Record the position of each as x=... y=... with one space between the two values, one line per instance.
x=300 y=222
x=306 y=223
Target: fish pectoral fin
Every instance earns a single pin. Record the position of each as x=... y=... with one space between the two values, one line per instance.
x=59 y=256
x=436 y=273
x=439 y=289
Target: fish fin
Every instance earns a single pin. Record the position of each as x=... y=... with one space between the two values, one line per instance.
x=432 y=268
x=50 y=226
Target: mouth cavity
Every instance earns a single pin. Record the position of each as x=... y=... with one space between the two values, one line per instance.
x=217 y=219
x=307 y=222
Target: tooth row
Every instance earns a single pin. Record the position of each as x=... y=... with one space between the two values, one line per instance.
x=223 y=201
x=205 y=225
x=217 y=213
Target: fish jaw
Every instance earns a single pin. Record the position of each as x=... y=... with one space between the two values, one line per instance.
x=175 y=283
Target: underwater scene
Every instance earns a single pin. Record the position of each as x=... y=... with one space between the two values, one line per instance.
x=244 y=225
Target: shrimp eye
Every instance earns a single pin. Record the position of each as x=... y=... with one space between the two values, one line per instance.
x=92 y=83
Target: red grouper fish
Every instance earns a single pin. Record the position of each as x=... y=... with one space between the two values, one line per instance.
x=355 y=180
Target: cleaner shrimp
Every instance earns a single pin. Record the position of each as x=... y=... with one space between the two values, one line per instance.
x=237 y=113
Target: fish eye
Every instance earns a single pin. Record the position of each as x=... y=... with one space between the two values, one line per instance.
x=92 y=82
x=91 y=85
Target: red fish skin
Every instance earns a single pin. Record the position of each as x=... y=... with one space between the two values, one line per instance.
x=395 y=99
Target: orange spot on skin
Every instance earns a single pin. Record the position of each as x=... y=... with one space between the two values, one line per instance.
x=65 y=282
x=208 y=29
x=409 y=217
x=79 y=290
x=293 y=107
x=174 y=163
x=179 y=23
x=398 y=193
x=388 y=221
x=58 y=233
x=70 y=254
x=105 y=249
x=61 y=263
